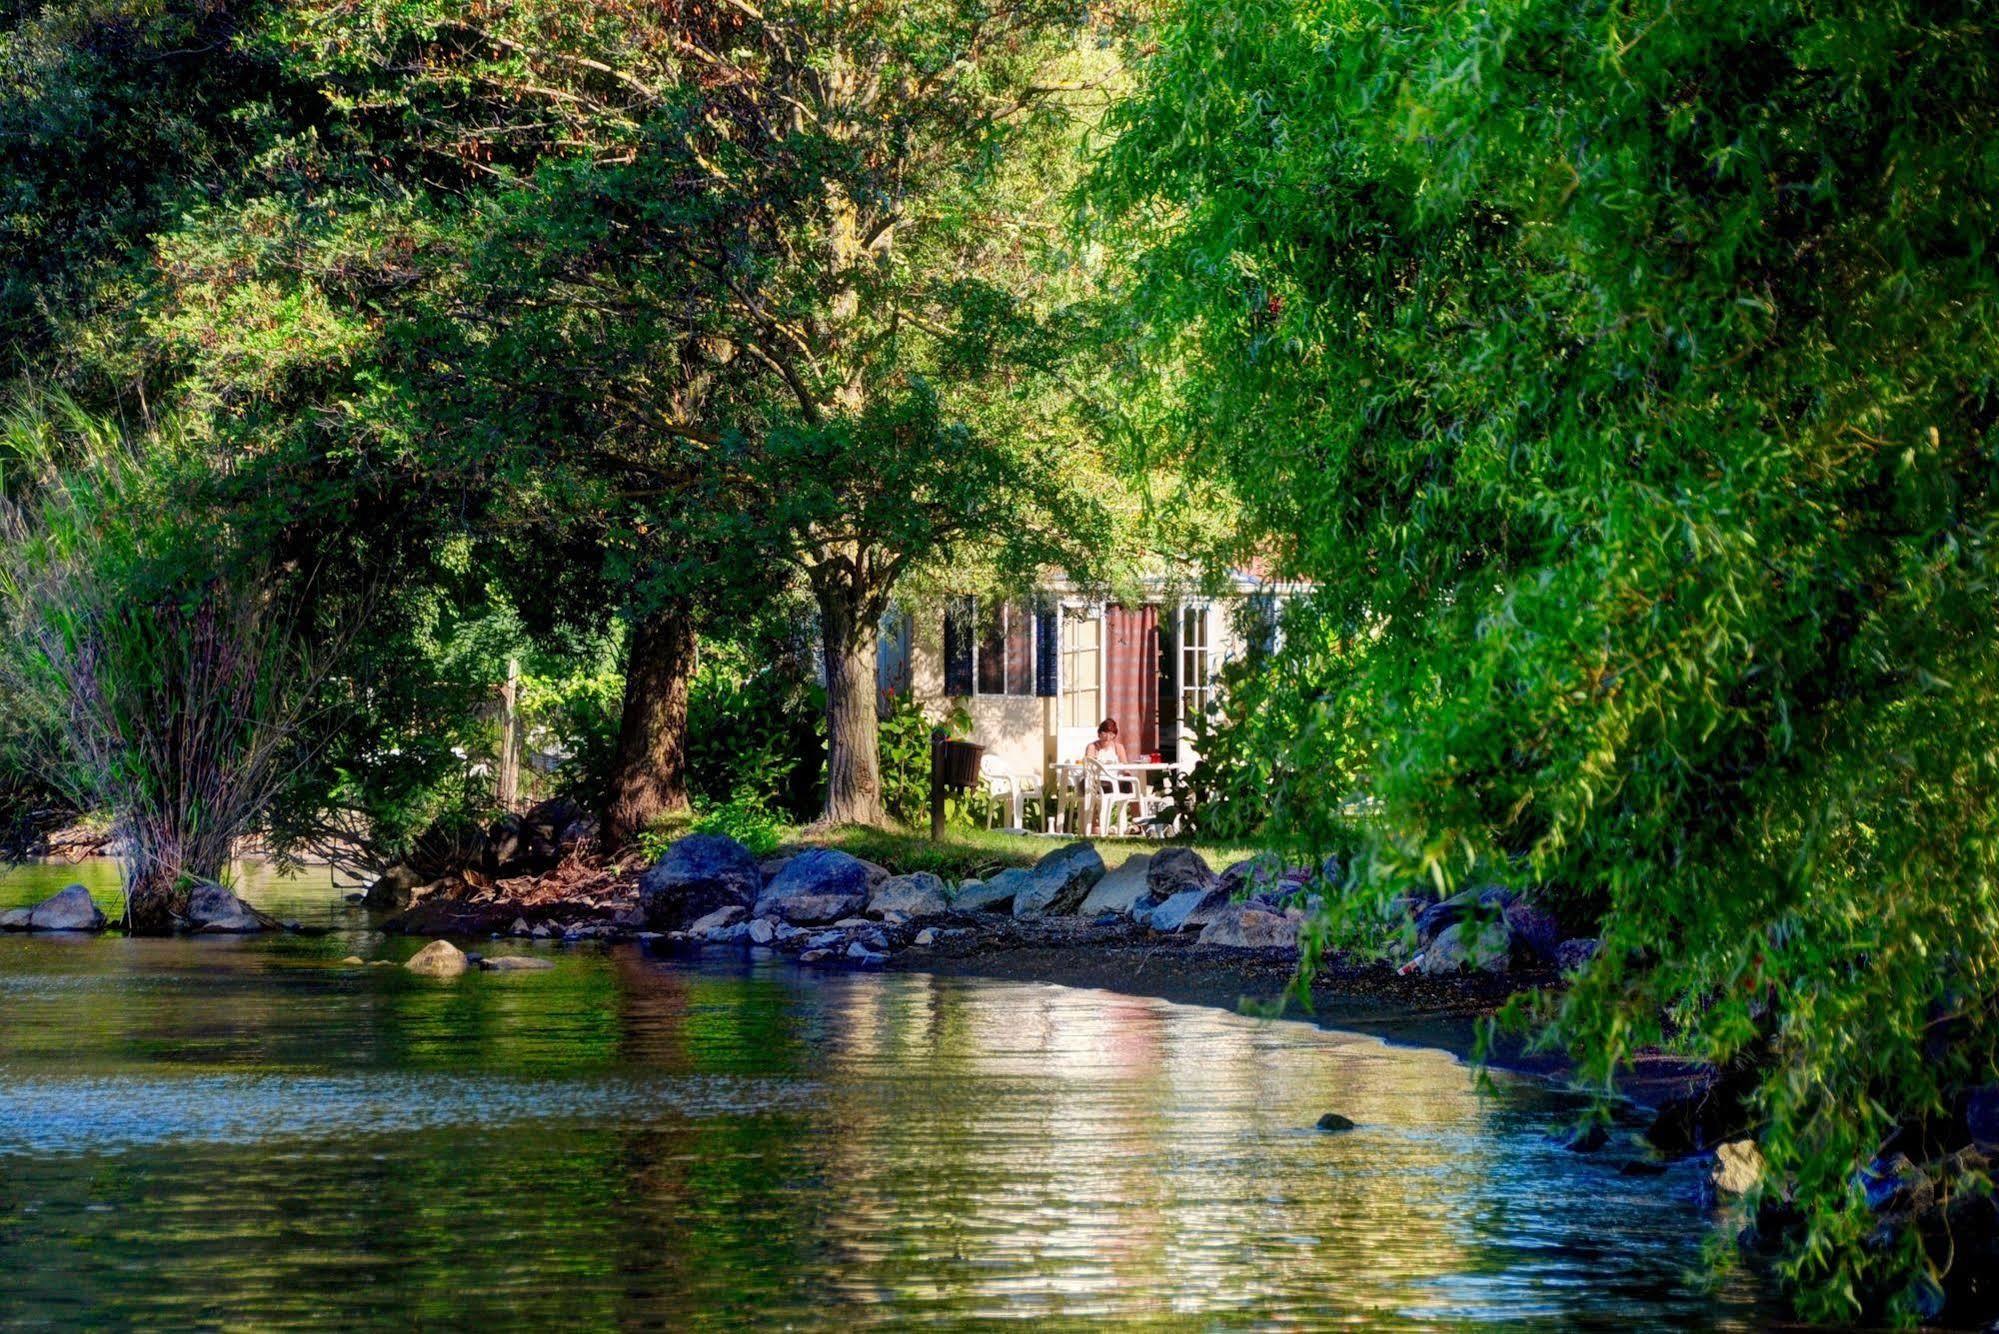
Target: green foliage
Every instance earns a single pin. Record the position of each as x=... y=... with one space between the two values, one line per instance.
x=750 y=823
x=1623 y=376
x=755 y=733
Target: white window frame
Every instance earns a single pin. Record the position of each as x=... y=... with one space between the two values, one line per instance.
x=1201 y=692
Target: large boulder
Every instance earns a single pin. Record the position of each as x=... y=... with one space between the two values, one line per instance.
x=440 y=958
x=1533 y=933
x=1175 y=871
x=1060 y=882
x=694 y=877
x=1483 y=901
x=1243 y=927
x=14 y=919
x=72 y=909
x=1120 y=890
x=818 y=871
x=1467 y=946
x=810 y=909
x=213 y=910
x=919 y=895
x=1190 y=907
x=995 y=894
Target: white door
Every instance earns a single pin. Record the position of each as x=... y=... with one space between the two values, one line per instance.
x=1081 y=706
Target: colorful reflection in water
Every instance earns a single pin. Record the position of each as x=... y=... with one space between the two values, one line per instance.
x=249 y=1133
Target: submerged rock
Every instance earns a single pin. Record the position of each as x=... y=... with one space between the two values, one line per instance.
x=440 y=958
x=917 y=895
x=1060 y=882
x=1334 y=1121
x=353 y=961
x=516 y=963
x=215 y=911
x=694 y=877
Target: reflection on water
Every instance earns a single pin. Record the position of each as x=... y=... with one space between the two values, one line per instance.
x=228 y=1132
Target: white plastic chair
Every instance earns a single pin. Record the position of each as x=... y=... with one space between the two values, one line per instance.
x=1106 y=794
x=998 y=780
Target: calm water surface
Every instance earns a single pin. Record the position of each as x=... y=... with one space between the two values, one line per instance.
x=248 y=1133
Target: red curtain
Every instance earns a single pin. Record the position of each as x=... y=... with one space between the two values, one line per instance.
x=1131 y=670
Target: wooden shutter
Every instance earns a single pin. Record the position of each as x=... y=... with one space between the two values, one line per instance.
x=1047 y=649
x=958 y=633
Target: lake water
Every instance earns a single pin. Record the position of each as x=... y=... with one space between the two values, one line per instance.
x=248 y=1133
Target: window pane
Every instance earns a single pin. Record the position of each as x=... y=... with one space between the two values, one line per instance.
x=1019 y=650
x=992 y=648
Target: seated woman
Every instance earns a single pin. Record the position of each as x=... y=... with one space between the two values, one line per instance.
x=1105 y=751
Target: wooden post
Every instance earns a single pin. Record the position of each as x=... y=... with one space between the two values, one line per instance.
x=510 y=737
x=937 y=735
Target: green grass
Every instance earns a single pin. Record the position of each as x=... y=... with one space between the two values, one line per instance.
x=974 y=854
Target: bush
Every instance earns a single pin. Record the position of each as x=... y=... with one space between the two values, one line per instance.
x=748 y=822
x=182 y=691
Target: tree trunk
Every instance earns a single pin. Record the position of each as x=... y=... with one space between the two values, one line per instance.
x=152 y=905
x=853 y=725
x=649 y=778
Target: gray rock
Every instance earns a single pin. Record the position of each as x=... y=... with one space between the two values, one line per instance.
x=815 y=956
x=353 y=961
x=919 y=895
x=215 y=911
x=70 y=909
x=725 y=916
x=763 y=931
x=1174 y=871
x=927 y=936
x=1190 y=907
x=1060 y=882
x=826 y=940
x=1334 y=1121
x=852 y=923
x=1571 y=955
x=520 y=927
x=1119 y=890
x=694 y=877
x=14 y=919
x=440 y=958
x=876 y=874
x=1241 y=927
x=1531 y=932
x=515 y=963
x=1466 y=946
x=994 y=895
x=1486 y=900
x=810 y=909
x=818 y=871
x=864 y=956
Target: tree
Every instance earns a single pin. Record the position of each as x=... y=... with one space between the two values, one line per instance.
x=1623 y=377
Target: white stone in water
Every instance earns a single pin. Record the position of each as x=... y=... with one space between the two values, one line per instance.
x=927 y=936
x=440 y=958
x=1738 y=1166
x=352 y=961
x=763 y=931
x=520 y=927
x=515 y=963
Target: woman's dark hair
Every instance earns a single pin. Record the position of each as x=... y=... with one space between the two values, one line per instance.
x=1108 y=725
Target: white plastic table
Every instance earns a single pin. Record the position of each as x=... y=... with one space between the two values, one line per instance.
x=1071 y=780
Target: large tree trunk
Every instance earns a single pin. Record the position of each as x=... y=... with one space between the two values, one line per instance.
x=853 y=726
x=649 y=778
